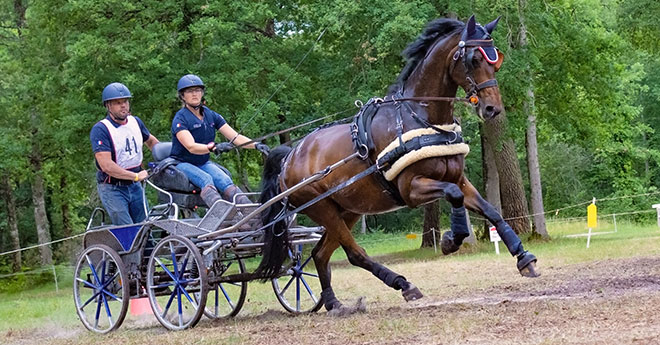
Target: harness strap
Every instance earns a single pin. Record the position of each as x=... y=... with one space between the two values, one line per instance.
x=329 y=192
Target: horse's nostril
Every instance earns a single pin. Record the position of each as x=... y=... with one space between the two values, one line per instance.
x=492 y=111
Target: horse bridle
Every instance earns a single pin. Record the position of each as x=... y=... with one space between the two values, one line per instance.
x=465 y=50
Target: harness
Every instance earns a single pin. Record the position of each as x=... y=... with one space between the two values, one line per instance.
x=404 y=143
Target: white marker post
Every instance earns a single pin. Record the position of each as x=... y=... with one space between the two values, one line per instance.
x=495 y=237
x=592 y=219
x=657 y=209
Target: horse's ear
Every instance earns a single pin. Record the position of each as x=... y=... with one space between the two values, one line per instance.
x=470 y=26
x=492 y=25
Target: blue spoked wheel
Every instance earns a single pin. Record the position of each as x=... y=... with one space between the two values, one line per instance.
x=175 y=274
x=299 y=290
x=225 y=300
x=100 y=289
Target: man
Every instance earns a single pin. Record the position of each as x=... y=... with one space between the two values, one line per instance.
x=117 y=144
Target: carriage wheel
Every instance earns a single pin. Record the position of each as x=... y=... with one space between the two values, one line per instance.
x=100 y=289
x=174 y=274
x=295 y=290
x=226 y=299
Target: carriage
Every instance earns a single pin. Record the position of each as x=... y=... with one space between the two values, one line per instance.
x=171 y=259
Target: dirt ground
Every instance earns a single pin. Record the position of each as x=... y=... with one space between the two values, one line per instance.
x=613 y=301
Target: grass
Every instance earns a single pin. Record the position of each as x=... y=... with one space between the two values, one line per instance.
x=42 y=305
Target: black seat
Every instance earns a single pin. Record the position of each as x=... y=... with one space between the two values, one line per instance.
x=168 y=177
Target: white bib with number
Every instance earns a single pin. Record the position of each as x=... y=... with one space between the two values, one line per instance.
x=127 y=140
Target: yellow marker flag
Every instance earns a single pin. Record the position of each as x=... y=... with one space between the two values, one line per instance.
x=411 y=236
x=592 y=218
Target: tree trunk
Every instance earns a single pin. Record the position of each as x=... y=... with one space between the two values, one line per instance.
x=64 y=208
x=431 y=224
x=12 y=221
x=535 y=189
x=512 y=192
x=40 y=218
x=491 y=179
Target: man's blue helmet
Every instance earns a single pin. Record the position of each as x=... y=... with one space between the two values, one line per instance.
x=115 y=91
x=189 y=80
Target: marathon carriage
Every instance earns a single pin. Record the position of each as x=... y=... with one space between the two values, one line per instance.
x=186 y=265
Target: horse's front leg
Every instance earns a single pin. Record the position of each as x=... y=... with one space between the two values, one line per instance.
x=474 y=202
x=424 y=190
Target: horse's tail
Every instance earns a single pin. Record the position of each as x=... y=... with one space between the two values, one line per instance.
x=276 y=236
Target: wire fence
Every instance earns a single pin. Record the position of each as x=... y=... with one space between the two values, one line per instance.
x=51 y=270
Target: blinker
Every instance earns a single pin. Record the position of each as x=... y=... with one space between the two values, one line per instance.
x=492 y=55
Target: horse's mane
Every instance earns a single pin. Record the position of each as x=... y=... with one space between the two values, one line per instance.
x=416 y=51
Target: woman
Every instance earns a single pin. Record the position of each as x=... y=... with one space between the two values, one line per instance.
x=193 y=139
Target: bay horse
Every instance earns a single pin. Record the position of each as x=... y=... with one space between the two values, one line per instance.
x=416 y=111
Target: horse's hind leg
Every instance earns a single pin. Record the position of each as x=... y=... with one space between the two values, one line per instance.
x=474 y=202
x=338 y=233
x=321 y=254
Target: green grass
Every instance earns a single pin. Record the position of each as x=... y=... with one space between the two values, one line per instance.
x=33 y=308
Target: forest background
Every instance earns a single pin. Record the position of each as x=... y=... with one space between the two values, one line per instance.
x=580 y=82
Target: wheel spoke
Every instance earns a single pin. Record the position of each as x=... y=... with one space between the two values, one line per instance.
x=310 y=274
x=306 y=262
x=169 y=273
x=224 y=292
x=91 y=266
x=180 y=307
x=309 y=290
x=169 y=303
x=173 y=254
x=182 y=270
x=286 y=287
x=88 y=284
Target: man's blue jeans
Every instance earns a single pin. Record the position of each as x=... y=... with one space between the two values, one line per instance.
x=125 y=204
x=205 y=175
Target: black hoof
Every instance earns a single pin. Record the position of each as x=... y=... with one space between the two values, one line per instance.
x=527 y=265
x=447 y=244
x=412 y=293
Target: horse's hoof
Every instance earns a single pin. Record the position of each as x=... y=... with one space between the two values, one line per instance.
x=447 y=244
x=412 y=293
x=527 y=265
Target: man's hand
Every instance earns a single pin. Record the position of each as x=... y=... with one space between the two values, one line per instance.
x=263 y=148
x=143 y=174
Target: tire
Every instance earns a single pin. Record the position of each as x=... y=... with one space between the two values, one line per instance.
x=296 y=290
x=100 y=289
x=175 y=273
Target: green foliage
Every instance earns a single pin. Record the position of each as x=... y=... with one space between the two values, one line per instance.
x=269 y=65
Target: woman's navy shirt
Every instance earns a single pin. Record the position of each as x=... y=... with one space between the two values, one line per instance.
x=203 y=131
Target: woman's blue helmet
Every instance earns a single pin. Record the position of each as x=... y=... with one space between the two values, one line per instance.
x=115 y=91
x=189 y=80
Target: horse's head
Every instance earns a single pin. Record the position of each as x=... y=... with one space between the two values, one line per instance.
x=475 y=61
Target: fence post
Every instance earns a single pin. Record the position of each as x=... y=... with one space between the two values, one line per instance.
x=57 y=289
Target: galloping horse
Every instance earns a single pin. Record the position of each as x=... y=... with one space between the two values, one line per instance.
x=412 y=138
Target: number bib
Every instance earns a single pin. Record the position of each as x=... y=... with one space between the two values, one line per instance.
x=127 y=141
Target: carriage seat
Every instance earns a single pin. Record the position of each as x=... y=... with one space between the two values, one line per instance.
x=168 y=177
